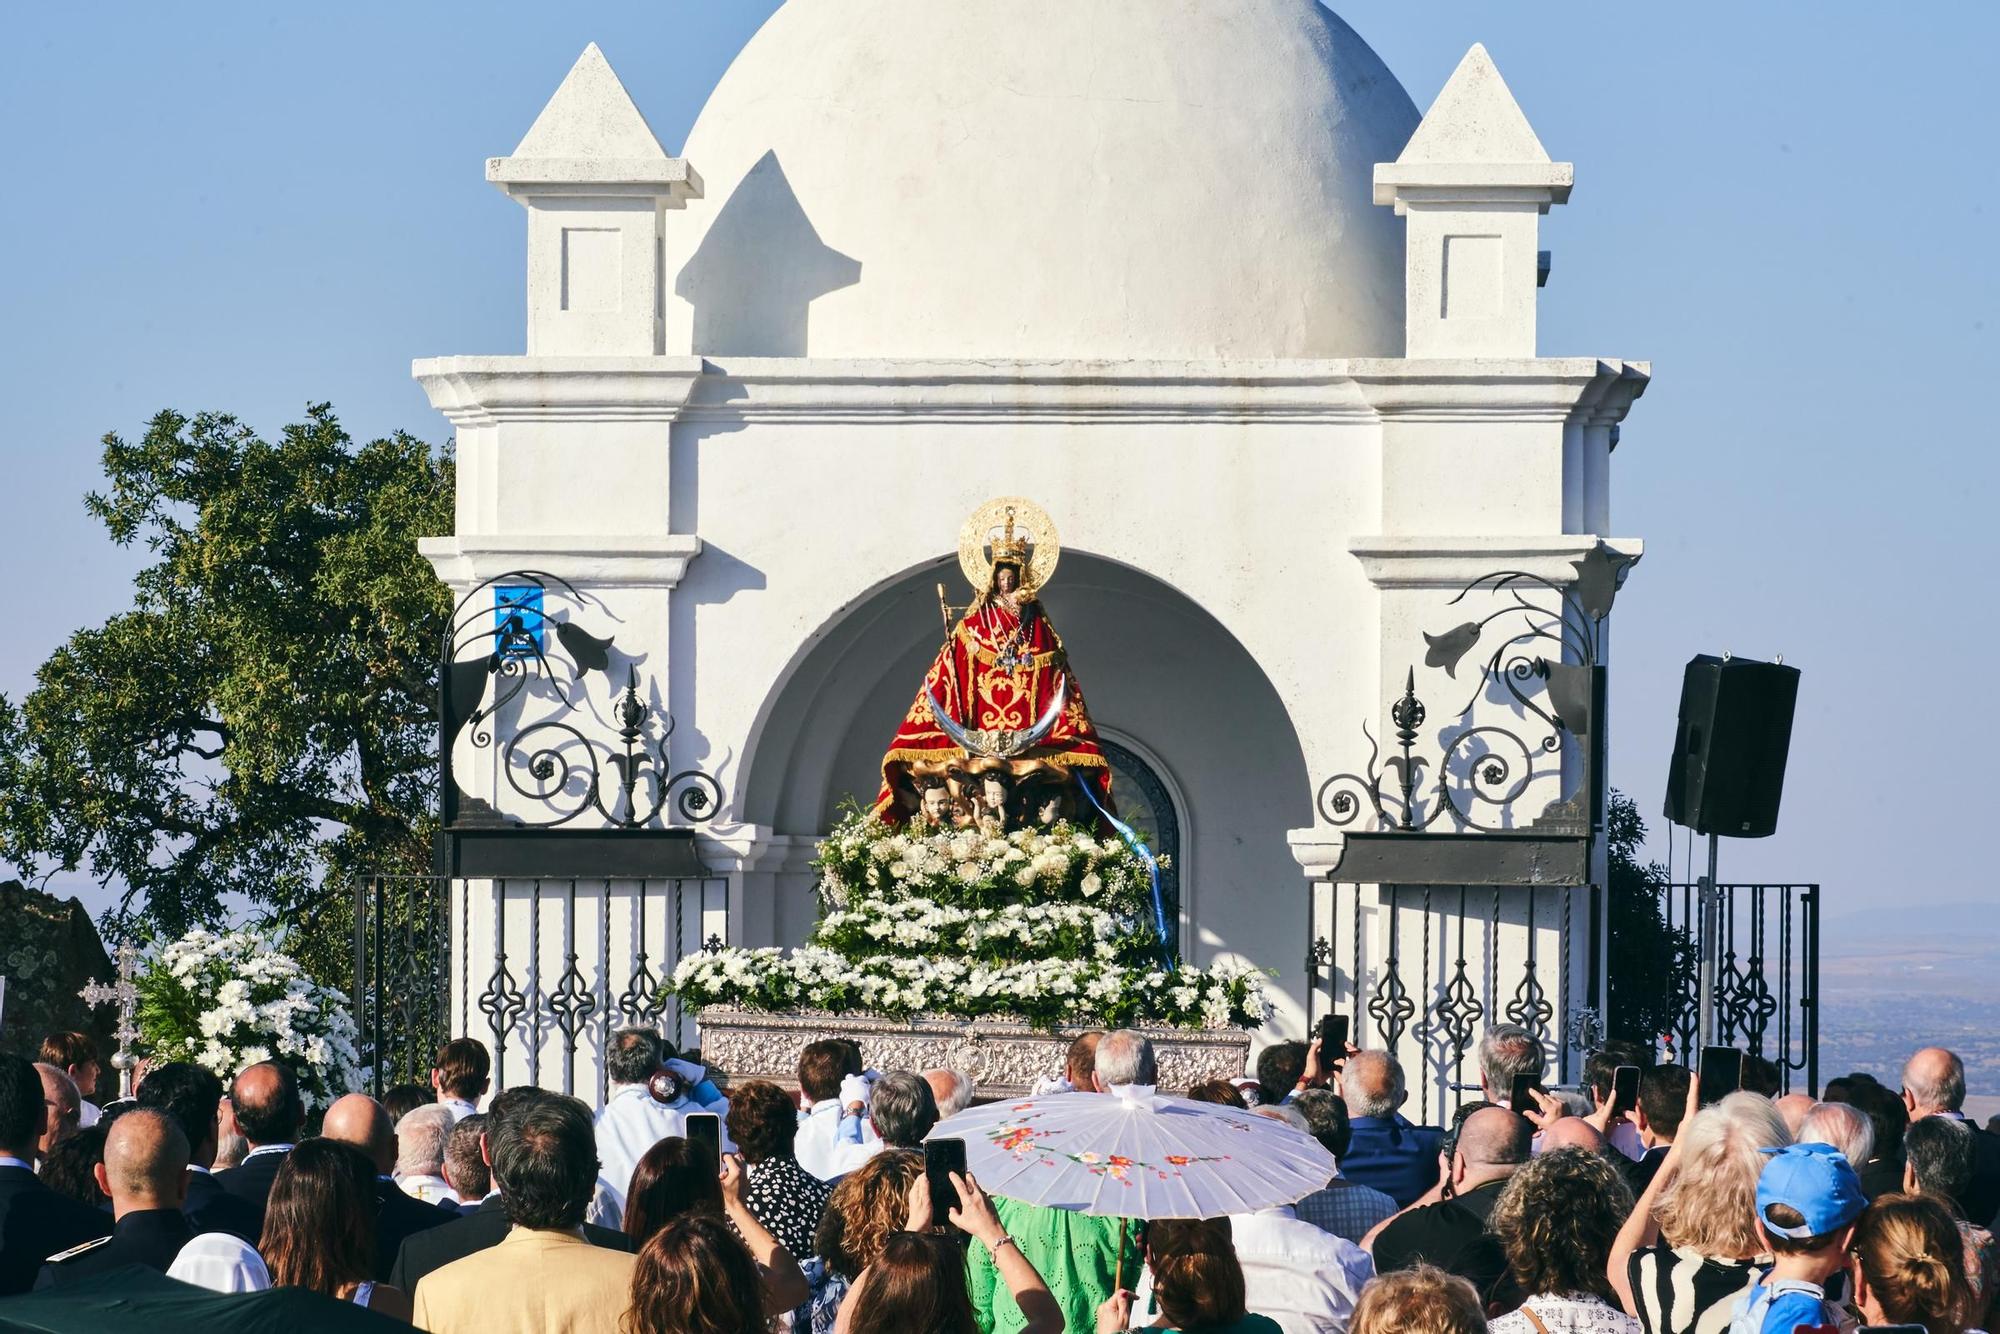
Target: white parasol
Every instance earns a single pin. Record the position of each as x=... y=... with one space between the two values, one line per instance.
x=1134 y=1154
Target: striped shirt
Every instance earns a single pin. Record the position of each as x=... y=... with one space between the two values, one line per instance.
x=1681 y=1291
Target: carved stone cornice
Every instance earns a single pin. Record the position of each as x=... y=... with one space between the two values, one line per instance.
x=1455 y=561
x=594 y=561
x=482 y=391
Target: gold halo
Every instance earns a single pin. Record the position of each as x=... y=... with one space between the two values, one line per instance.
x=1029 y=518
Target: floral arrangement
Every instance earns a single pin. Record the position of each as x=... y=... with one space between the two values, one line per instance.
x=1051 y=925
x=231 y=999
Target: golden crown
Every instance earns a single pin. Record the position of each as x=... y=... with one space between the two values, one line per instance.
x=1007 y=547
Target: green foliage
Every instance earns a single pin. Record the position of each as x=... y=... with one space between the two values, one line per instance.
x=1651 y=963
x=263 y=718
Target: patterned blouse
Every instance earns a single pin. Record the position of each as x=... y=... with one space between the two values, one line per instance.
x=1576 y=1314
x=788 y=1200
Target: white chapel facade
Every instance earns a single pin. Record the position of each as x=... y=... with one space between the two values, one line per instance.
x=1206 y=286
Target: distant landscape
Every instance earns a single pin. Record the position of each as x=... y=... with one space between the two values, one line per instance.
x=1895 y=979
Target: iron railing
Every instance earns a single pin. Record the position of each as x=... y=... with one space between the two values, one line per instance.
x=1766 y=976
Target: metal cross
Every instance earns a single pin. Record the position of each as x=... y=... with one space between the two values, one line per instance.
x=126 y=994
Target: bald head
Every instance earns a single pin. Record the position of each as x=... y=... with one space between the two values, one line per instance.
x=65 y=1107
x=1572 y=1132
x=1794 y=1107
x=1933 y=1082
x=266 y=1102
x=359 y=1120
x=1372 y=1084
x=1492 y=1142
x=145 y=1162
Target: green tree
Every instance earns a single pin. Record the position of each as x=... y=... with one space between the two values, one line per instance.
x=263 y=719
x=1651 y=962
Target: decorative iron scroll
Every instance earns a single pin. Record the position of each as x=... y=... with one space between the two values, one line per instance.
x=1480 y=769
x=552 y=761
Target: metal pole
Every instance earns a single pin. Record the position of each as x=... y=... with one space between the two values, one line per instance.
x=1711 y=943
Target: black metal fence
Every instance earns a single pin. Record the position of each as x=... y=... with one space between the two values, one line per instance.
x=537 y=968
x=1766 y=976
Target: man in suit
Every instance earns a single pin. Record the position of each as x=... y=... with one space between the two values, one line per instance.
x=359 y=1120
x=145 y=1173
x=484 y=1225
x=269 y=1113
x=1384 y=1150
x=193 y=1097
x=543 y=1275
x=65 y=1108
x=1934 y=1085
x=34 y=1221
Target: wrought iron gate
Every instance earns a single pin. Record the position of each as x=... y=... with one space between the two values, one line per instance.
x=541 y=967
x=1766 y=979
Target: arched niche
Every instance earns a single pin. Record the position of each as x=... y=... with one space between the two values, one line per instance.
x=1156 y=668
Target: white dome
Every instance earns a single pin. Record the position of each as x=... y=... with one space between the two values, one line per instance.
x=1045 y=178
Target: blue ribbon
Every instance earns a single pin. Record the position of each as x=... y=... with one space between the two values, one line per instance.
x=1138 y=845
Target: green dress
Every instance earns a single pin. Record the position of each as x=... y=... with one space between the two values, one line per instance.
x=1076 y=1255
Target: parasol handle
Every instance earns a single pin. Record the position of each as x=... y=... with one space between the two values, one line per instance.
x=1119 y=1263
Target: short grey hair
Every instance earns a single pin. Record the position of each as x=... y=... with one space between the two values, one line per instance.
x=902 y=1109
x=633 y=1055
x=1845 y=1128
x=1372 y=1084
x=1940 y=1153
x=420 y=1138
x=1507 y=1050
x=1286 y=1113
x=1125 y=1057
x=1936 y=1078
x=960 y=1096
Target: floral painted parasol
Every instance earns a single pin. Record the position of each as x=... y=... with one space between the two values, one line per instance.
x=1135 y=1154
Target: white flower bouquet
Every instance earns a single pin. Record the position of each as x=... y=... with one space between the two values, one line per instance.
x=231 y=999
x=1051 y=925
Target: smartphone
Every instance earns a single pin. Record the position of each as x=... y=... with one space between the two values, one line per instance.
x=1522 y=1096
x=1624 y=1089
x=1332 y=1040
x=704 y=1134
x=942 y=1157
x=1721 y=1073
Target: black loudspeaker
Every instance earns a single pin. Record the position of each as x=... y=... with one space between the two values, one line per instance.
x=1729 y=750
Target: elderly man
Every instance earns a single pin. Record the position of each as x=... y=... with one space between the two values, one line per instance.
x=420 y=1141
x=34 y=1220
x=359 y=1120
x=65 y=1106
x=145 y=1173
x=1505 y=1051
x=1385 y=1151
x=1079 y=1062
x=1845 y=1128
x=1304 y=1278
x=1934 y=1085
x=1342 y=1207
x=269 y=1113
x=544 y=1274
x=1451 y=1234
x=901 y=1110
x=1077 y=1255
x=951 y=1089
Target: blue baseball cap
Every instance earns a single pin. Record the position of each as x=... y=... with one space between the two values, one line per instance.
x=1815 y=1179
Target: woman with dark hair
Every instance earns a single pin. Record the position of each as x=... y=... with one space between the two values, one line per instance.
x=1556 y=1221
x=672 y=1178
x=70 y=1167
x=784 y=1197
x=319 y=1227
x=1218 y=1091
x=672 y=1183
x=917 y=1281
x=1197 y=1282
x=695 y=1276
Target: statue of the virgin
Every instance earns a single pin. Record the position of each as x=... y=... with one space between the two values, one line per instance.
x=1000 y=719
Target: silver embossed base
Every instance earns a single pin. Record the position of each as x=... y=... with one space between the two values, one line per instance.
x=1005 y=1058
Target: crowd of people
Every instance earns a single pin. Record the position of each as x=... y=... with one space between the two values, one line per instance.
x=457 y=1208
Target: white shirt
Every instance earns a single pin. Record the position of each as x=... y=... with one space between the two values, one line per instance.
x=1566 y=1315
x=220 y=1263
x=1305 y=1279
x=824 y=1151
x=88 y=1114
x=632 y=1122
x=459 y=1107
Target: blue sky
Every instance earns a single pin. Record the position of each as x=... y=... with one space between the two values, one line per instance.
x=1789 y=208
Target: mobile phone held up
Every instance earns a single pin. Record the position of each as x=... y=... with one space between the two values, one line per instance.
x=942 y=1157
x=704 y=1135
x=1522 y=1096
x=1721 y=1073
x=1332 y=1040
x=1624 y=1090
